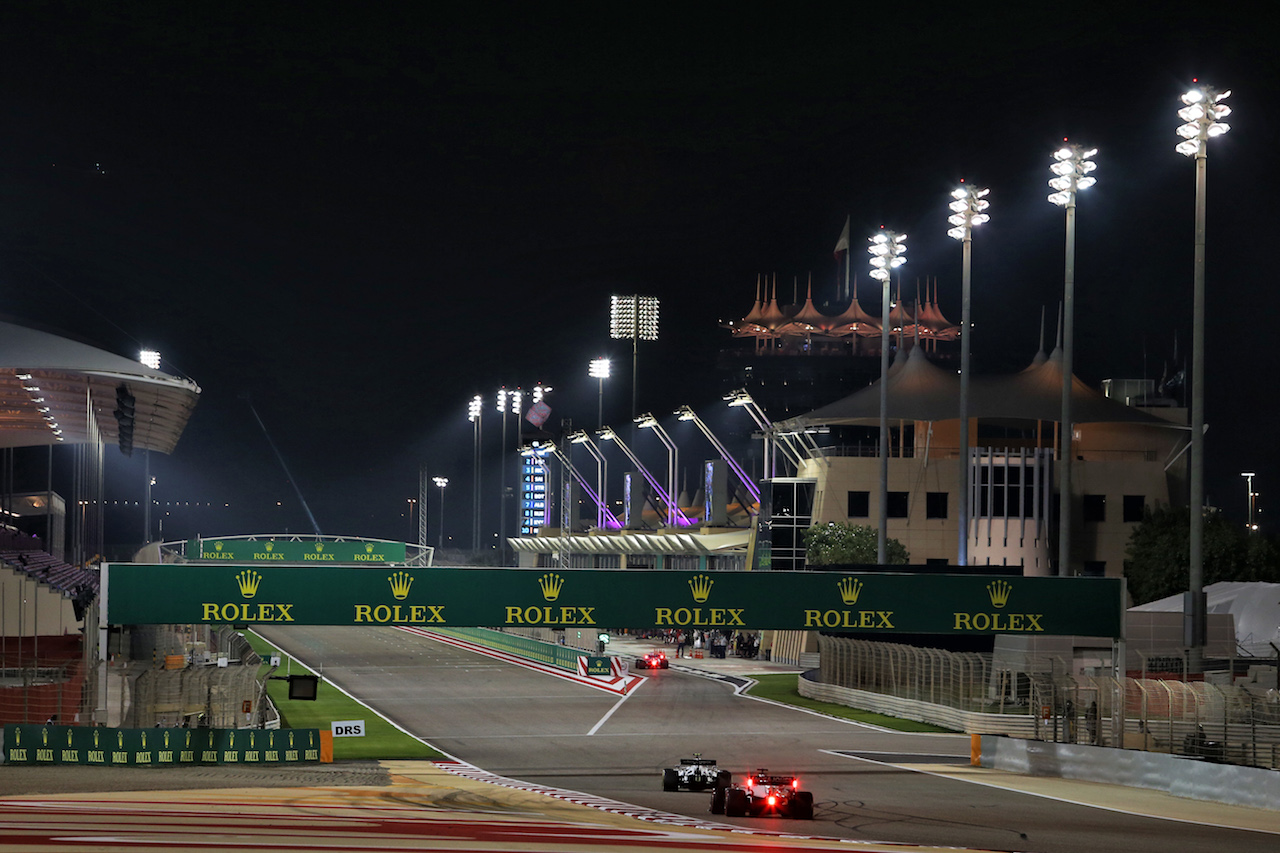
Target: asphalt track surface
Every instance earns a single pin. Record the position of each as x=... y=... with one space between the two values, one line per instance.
x=868 y=784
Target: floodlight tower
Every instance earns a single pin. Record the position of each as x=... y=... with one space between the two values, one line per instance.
x=603 y=515
x=887 y=254
x=634 y=317
x=440 y=482
x=1202 y=115
x=686 y=413
x=508 y=403
x=967 y=209
x=608 y=434
x=475 y=414
x=1248 y=476
x=1071 y=170
x=598 y=369
x=740 y=399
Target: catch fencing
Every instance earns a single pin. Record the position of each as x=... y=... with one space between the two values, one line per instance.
x=1235 y=722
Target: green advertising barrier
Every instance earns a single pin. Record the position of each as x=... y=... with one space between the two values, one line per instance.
x=108 y=747
x=234 y=550
x=867 y=603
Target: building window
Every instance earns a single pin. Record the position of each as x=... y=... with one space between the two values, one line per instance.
x=935 y=505
x=1133 y=507
x=1095 y=507
x=859 y=504
x=899 y=503
x=1094 y=569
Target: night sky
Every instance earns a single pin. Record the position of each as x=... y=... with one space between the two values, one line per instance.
x=357 y=218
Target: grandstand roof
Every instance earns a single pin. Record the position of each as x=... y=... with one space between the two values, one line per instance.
x=54 y=390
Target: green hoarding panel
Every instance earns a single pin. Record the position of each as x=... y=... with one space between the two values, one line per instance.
x=867 y=603
x=108 y=747
x=233 y=550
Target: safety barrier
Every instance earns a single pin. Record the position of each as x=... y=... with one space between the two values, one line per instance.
x=536 y=650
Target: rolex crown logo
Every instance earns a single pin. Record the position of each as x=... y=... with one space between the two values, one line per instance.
x=999 y=592
x=95 y=738
x=271 y=546
x=368 y=547
x=44 y=736
x=319 y=547
x=120 y=740
x=850 y=589
x=144 y=740
x=701 y=587
x=551 y=584
x=69 y=737
x=166 y=740
x=217 y=546
x=248 y=581
x=400 y=583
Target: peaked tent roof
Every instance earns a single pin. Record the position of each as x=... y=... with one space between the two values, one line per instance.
x=922 y=391
x=49 y=385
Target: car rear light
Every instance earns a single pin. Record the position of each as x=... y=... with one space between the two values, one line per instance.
x=749 y=782
x=773 y=801
x=795 y=783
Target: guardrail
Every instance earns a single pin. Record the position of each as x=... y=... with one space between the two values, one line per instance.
x=552 y=654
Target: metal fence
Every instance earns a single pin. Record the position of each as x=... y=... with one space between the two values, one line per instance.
x=1233 y=722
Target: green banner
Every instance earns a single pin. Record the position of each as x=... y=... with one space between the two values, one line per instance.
x=108 y=747
x=868 y=603
x=236 y=550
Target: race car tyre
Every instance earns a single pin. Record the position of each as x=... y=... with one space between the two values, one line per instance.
x=717 y=801
x=802 y=806
x=670 y=781
x=723 y=778
x=666 y=664
x=735 y=802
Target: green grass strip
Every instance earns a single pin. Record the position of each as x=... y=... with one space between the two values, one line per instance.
x=381 y=739
x=782 y=688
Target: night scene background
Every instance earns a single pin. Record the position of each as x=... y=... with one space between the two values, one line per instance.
x=358 y=216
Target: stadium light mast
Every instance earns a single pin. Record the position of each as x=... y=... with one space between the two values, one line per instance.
x=440 y=482
x=1071 y=170
x=648 y=421
x=603 y=515
x=598 y=369
x=686 y=413
x=634 y=317
x=475 y=414
x=1202 y=115
x=967 y=208
x=887 y=254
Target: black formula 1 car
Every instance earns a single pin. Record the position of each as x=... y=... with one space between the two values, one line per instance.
x=653 y=660
x=764 y=794
x=695 y=774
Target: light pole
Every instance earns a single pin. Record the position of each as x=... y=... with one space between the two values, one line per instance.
x=634 y=317
x=475 y=414
x=686 y=413
x=1071 y=173
x=599 y=369
x=887 y=249
x=1249 y=475
x=967 y=209
x=648 y=421
x=603 y=514
x=508 y=402
x=1201 y=113
x=413 y=507
x=440 y=482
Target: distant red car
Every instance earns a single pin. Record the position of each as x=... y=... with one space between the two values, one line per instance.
x=653 y=660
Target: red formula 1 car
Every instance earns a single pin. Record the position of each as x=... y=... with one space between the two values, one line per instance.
x=764 y=794
x=653 y=660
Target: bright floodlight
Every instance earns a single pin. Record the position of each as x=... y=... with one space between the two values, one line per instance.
x=685 y=413
x=540 y=391
x=1070 y=171
x=150 y=358
x=473 y=408
x=598 y=368
x=967 y=210
x=887 y=249
x=1202 y=116
x=646 y=421
x=441 y=482
x=633 y=317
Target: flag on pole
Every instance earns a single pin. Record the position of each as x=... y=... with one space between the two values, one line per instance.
x=538 y=414
x=842 y=245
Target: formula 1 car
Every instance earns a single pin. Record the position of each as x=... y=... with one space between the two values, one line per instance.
x=695 y=774
x=653 y=660
x=764 y=794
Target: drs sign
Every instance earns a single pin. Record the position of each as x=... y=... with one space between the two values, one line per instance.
x=348 y=728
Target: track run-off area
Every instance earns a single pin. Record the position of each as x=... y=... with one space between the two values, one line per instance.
x=545 y=761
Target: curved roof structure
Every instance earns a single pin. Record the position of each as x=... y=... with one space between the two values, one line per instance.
x=55 y=390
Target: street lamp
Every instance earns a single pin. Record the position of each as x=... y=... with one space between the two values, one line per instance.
x=1249 y=475
x=887 y=250
x=686 y=413
x=967 y=208
x=634 y=317
x=1071 y=170
x=475 y=414
x=1201 y=113
x=604 y=518
x=599 y=369
x=608 y=434
x=440 y=482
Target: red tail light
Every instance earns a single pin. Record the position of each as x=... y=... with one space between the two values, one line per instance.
x=795 y=783
x=773 y=801
x=749 y=782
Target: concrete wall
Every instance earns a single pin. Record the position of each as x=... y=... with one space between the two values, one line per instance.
x=1177 y=775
